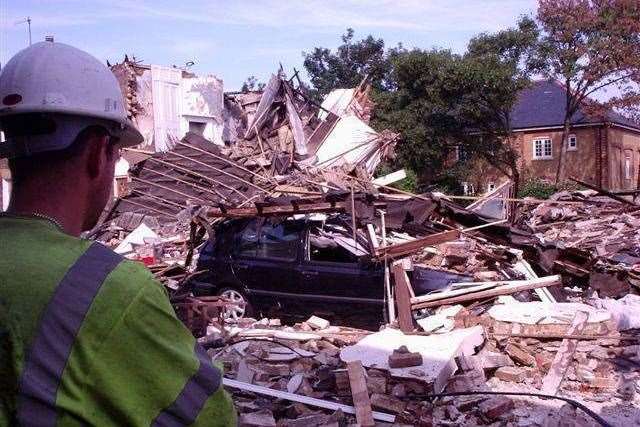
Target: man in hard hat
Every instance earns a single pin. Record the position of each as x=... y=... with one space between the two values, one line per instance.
x=86 y=337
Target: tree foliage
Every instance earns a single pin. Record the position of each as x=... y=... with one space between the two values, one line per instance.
x=442 y=101
x=591 y=46
x=348 y=65
x=252 y=84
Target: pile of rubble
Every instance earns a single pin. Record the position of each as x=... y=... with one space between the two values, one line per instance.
x=587 y=236
x=487 y=371
x=475 y=329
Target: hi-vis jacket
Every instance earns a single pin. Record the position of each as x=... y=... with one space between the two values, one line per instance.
x=90 y=339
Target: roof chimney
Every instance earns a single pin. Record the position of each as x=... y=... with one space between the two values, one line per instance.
x=48 y=39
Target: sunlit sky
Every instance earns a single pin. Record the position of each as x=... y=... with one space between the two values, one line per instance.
x=236 y=39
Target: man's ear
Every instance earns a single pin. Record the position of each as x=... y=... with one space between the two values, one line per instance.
x=97 y=155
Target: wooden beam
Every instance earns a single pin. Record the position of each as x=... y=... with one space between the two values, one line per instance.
x=190 y=184
x=281 y=210
x=251 y=184
x=373 y=239
x=140 y=205
x=360 y=393
x=226 y=160
x=564 y=356
x=603 y=191
x=403 y=298
x=472 y=288
x=173 y=190
x=498 y=288
x=190 y=172
x=159 y=199
x=412 y=246
x=311 y=401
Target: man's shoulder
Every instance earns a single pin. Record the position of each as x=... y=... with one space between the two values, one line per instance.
x=130 y=283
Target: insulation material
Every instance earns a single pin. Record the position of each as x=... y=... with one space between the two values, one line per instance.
x=136 y=237
x=541 y=313
x=353 y=142
x=337 y=101
x=625 y=311
x=203 y=97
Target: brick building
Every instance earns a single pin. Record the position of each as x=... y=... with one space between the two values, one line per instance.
x=603 y=150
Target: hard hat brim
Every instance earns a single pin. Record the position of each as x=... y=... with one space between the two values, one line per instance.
x=129 y=135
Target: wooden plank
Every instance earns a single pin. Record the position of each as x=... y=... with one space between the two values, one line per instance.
x=390 y=178
x=360 y=393
x=373 y=239
x=296 y=124
x=266 y=100
x=405 y=248
x=603 y=191
x=403 y=298
x=280 y=210
x=473 y=287
x=503 y=288
x=564 y=356
x=311 y=401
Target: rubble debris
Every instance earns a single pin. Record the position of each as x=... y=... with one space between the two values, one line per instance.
x=403 y=358
x=360 y=393
x=317 y=322
x=558 y=367
x=438 y=352
x=464 y=278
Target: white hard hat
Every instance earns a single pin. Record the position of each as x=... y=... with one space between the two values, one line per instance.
x=68 y=84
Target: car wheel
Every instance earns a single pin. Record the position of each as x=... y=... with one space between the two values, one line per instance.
x=241 y=310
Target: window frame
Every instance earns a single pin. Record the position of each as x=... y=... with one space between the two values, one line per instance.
x=542 y=140
x=575 y=140
x=628 y=165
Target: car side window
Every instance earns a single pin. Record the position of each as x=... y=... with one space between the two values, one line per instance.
x=279 y=241
x=324 y=249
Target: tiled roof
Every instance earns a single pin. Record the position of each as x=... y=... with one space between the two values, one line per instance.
x=543 y=105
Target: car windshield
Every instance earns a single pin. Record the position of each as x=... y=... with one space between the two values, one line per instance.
x=267 y=240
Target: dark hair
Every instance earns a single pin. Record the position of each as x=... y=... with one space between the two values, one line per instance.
x=22 y=167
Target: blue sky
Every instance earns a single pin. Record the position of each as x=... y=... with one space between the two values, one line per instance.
x=235 y=39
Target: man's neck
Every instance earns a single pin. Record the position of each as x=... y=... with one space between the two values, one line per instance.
x=66 y=211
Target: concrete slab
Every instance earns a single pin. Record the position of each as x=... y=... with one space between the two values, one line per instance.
x=438 y=353
x=543 y=313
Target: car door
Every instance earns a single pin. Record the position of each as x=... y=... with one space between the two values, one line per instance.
x=332 y=275
x=265 y=257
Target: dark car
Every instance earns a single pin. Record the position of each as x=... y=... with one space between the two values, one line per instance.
x=302 y=265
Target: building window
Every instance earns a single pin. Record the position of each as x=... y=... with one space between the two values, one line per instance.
x=461 y=154
x=467 y=189
x=628 y=170
x=573 y=143
x=542 y=148
x=197 y=127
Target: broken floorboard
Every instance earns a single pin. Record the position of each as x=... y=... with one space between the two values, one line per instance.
x=564 y=356
x=360 y=393
x=311 y=401
x=495 y=289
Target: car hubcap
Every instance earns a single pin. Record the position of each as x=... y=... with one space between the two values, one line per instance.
x=236 y=311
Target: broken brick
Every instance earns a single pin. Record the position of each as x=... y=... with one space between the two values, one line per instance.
x=495 y=407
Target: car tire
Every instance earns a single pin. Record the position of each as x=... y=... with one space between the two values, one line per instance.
x=236 y=313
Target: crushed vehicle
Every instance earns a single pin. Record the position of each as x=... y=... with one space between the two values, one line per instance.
x=298 y=264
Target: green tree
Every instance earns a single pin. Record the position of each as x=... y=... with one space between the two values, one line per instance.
x=442 y=100
x=589 y=46
x=348 y=65
x=252 y=84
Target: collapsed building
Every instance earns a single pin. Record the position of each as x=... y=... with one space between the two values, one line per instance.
x=544 y=305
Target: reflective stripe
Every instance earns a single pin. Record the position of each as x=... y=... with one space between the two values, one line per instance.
x=185 y=409
x=57 y=332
